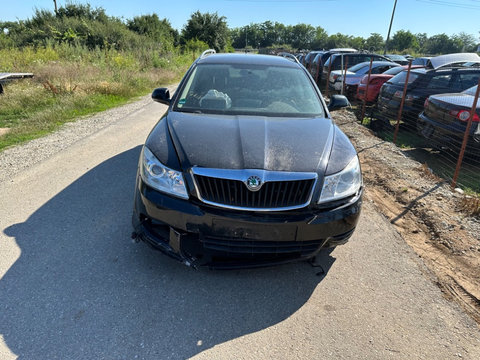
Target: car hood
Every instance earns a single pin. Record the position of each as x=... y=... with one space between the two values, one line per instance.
x=251 y=142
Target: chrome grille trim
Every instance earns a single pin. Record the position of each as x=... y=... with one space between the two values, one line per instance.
x=265 y=176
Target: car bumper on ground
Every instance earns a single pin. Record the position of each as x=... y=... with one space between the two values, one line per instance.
x=197 y=234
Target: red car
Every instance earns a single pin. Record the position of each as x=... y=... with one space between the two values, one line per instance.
x=376 y=82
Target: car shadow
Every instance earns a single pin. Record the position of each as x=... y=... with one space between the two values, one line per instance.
x=81 y=289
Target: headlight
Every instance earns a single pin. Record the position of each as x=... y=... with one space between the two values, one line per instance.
x=342 y=184
x=160 y=177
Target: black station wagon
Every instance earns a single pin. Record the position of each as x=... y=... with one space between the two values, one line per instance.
x=246 y=168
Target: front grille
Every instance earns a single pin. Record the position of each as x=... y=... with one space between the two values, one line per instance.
x=272 y=195
x=254 y=247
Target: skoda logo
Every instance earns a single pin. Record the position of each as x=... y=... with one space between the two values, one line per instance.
x=254 y=183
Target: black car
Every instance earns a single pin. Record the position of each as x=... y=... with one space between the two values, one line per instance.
x=339 y=61
x=422 y=83
x=313 y=67
x=323 y=58
x=310 y=57
x=444 y=120
x=246 y=168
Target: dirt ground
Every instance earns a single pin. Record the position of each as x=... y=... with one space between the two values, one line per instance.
x=431 y=217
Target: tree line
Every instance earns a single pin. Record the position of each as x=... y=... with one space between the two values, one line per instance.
x=80 y=24
x=304 y=36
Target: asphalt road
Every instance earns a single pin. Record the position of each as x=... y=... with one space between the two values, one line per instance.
x=74 y=286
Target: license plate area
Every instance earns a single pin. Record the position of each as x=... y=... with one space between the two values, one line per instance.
x=254 y=231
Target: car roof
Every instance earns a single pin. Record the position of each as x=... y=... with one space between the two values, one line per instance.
x=343 y=50
x=356 y=54
x=377 y=63
x=446 y=69
x=251 y=59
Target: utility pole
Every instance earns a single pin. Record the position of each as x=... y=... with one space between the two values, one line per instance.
x=390 y=27
x=55 y=3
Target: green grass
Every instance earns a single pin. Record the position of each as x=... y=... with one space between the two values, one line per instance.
x=73 y=82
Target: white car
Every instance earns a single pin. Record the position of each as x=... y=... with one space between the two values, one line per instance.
x=355 y=73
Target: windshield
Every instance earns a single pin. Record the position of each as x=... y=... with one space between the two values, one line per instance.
x=471 y=91
x=245 y=89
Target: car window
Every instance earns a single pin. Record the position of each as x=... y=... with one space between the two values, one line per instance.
x=471 y=91
x=466 y=81
x=245 y=89
x=439 y=81
x=401 y=77
x=394 y=71
x=362 y=58
x=357 y=67
x=380 y=69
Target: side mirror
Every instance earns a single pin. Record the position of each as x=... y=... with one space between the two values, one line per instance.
x=161 y=95
x=338 y=102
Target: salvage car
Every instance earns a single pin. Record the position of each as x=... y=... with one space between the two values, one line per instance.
x=339 y=61
x=354 y=75
x=444 y=120
x=246 y=168
x=443 y=74
x=376 y=82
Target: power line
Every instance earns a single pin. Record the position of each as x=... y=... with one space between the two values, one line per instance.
x=281 y=1
x=453 y=4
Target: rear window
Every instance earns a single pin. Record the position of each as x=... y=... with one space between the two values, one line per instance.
x=400 y=78
x=358 y=67
x=471 y=91
x=394 y=71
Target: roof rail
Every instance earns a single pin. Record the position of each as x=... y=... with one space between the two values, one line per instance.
x=207 y=52
x=289 y=56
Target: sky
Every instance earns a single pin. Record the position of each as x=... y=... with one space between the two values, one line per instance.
x=350 y=17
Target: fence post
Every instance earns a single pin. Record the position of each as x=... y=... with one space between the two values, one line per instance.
x=400 y=110
x=316 y=74
x=366 y=92
x=328 y=76
x=465 y=137
x=344 y=78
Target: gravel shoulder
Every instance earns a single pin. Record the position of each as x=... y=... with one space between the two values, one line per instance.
x=424 y=210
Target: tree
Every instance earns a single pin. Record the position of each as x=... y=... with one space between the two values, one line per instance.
x=209 y=28
x=150 y=25
x=442 y=44
x=321 y=38
x=357 y=42
x=467 y=41
x=375 y=42
x=403 y=40
x=303 y=36
x=338 y=40
x=422 y=39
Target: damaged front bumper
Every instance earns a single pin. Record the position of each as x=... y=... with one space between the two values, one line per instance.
x=201 y=235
